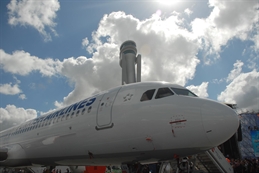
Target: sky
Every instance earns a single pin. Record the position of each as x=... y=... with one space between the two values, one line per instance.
x=54 y=53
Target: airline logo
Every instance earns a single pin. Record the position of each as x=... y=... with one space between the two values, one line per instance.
x=66 y=110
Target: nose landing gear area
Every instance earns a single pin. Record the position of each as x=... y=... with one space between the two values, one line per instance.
x=212 y=161
x=177 y=166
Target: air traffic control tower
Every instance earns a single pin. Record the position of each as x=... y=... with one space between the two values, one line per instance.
x=128 y=60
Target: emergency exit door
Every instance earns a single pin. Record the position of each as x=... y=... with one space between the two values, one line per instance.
x=104 y=112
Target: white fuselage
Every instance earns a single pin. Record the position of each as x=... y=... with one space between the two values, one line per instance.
x=120 y=126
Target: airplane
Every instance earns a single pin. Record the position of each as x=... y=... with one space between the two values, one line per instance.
x=145 y=122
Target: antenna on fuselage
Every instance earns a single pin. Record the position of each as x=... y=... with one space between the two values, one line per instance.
x=128 y=60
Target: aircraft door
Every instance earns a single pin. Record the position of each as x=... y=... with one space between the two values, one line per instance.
x=104 y=112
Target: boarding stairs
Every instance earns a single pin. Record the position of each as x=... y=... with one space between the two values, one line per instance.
x=212 y=161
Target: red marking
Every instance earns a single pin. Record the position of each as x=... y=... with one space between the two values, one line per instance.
x=177 y=121
x=176 y=156
x=148 y=139
x=173 y=132
x=213 y=149
x=95 y=169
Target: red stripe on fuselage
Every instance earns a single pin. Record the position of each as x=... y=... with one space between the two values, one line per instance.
x=177 y=121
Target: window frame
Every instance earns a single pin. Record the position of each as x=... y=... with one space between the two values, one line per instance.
x=193 y=95
x=148 y=99
x=164 y=96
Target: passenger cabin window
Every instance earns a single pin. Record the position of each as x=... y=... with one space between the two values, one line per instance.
x=184 y=92
x=147 y=95
x=163 y=92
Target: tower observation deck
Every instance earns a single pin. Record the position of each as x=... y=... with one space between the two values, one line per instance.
x=128 y=60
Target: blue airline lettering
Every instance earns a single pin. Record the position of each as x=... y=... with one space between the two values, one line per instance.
x=91 y=102
x=74 y=106
x=82 y=104
x=68 y=108
x=55 y=114
x=48 y=117
x=78 y=105
x=62 y=111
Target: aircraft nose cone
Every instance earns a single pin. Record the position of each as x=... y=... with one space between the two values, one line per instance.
x=220 y=122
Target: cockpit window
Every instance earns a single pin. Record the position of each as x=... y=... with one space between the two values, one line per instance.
x=147 y=95
x=163 y=92
x=184 y=92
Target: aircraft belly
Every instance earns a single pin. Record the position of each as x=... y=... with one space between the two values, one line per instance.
x=114 y=158
x=3 y=154
x=16 y=156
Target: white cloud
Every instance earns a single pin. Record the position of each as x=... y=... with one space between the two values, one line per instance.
x=218 y=81
x=91 y=75
x=11 y=115
x=16 y=80
x=173 y=61
x=236 y=71
x=38 y=14
x=85 y=42
x=188 y=11
x=243 y=91
x=255 y=38
x=228 y=20
x=168 y=54
x=200 y=90
x=22 y=96
x=23 y=63
x=10 y=89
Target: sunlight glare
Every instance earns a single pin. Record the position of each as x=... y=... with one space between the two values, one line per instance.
x=167 y=2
